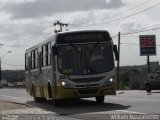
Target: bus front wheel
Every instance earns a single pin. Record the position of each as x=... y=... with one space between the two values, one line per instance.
x=148 y=89
x=100 y=99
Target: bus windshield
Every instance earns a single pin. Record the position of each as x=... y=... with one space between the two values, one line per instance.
x=79 y=59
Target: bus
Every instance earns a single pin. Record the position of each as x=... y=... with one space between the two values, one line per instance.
x=72 y=64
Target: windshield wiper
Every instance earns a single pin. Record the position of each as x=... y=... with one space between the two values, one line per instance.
x=94 y=48
x=74 y=47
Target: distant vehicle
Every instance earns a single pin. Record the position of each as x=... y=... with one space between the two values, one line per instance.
x=153 y=82
x=73 y=64
x=0 y=84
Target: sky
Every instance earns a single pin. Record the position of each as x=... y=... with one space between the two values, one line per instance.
x=24 y=23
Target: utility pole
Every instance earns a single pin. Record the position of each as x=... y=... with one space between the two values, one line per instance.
x=0 y=75
x=148 y=63
x=0 y=71
x=118 y=80
x=61 y=25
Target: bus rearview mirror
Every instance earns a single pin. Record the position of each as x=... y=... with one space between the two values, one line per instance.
x=116 y=52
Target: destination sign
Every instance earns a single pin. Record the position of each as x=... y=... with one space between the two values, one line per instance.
x=81 y=37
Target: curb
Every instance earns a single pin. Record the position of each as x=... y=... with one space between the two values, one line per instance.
x=18 y=103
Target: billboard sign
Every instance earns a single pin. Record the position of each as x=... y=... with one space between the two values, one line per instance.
x=147 y=45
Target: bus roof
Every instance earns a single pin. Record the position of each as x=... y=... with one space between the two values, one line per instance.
x=78 y=31
x=53 y=38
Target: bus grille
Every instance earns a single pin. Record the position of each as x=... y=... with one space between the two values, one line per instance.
x=83 y=80
x=88 y=91
x=88 y=85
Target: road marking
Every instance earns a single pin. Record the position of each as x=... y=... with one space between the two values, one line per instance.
x=14 y=97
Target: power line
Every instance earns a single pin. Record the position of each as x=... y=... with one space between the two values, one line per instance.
x=137 y=37
x=126 y=34
x=132 y=14
x=11 y=64
x=120 y=13
x=135 y=13
x=16 y=46
x=125 y=16
x=145 y=30
x=125 y=11
x=141 y=31
x=17 y=60
x=129 y=43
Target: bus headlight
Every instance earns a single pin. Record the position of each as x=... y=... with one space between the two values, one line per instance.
x=64 y=84
x=111 y=79
x=108 y=81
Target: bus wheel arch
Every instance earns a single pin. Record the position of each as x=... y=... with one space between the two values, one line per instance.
x=34 y=93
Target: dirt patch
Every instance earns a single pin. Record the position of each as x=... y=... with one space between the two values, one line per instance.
x=10 y=106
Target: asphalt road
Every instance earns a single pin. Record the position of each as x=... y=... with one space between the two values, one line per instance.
x=125 y=102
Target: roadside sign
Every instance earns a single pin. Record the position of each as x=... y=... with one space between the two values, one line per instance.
x=147 y=45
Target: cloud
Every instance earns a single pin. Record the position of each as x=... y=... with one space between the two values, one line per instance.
x=25 y=23
x=114 y=3
x=42 y=8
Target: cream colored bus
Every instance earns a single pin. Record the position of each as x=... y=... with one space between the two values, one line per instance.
x=75 y=64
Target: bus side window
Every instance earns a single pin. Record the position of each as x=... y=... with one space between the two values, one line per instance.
x=46 y=54
x=40 y=62
x=31 y=60
x=43 y=56
x=36 y=58
x=26 y=61
x=29 y=63
x=49 y=54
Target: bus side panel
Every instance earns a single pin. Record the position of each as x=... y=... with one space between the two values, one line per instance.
x=36 y=82
x=28 y=83
x=46 y=80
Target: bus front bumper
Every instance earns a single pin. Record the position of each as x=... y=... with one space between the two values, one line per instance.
x=64 y=93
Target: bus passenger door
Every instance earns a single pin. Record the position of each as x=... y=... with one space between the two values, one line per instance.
x=53 y=61
x=29 y=75
x=40 y=73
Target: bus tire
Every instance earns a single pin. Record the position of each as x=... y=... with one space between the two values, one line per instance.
x=100 y=99
x=148 y=89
